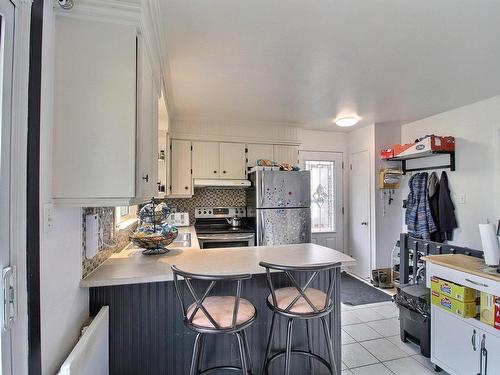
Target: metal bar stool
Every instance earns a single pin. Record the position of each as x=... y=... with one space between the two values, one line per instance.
x=301 y=302
x=215 y=315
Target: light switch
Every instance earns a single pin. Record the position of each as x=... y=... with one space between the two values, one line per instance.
x=48 y=217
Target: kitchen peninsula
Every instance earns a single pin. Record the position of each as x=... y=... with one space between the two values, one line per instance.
x=147 y=334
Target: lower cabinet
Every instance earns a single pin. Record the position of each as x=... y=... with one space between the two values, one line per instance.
x=461 y=347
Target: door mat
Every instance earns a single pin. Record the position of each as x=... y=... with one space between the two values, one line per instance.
x=355 y=292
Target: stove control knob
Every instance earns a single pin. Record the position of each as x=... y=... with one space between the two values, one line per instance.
x=210 y=212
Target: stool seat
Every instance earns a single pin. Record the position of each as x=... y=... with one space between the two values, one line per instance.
x=221 y=309
x=285 y=296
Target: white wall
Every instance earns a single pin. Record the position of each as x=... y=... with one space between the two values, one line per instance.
x=64 y=306
x=476 y=128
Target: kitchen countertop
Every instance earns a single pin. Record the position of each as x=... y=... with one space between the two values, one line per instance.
x=130 y=266
x=465 y=263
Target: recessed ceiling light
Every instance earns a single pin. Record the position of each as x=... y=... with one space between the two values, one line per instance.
x=347 y=121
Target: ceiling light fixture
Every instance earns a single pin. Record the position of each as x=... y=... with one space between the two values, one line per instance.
x=347 y=121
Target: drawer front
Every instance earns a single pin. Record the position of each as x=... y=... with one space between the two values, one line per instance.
x=463 y=278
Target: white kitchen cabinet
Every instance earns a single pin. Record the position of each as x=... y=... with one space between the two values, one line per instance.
x=257 y=151
x=205 y=159
x=181 y=177
x=232 y=161
x=103 y=143
x=286 y=154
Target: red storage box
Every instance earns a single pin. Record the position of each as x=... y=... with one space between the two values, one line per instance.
x=400 y=148
x=496 y=322
x=387 y=153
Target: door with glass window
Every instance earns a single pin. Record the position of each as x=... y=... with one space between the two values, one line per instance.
x=6 y=65
x=327 y=223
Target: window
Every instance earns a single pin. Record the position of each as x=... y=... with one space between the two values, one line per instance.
x=322 y=195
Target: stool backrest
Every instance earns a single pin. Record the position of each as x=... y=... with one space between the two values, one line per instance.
x=314 y=272
x=198 y=299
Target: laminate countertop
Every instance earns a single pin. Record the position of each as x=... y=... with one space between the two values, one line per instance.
x=130 y=266
x=465 y=263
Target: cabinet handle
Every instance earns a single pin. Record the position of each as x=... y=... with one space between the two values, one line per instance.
x=223 y=171
x=185 y=187
x=364 y=223
x=483 y=357
x=146 y=178
x=477 y=283
x=473 y=340
x=215 y=171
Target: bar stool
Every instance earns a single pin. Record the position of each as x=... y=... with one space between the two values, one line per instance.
x=215 y=315
x=301 y=302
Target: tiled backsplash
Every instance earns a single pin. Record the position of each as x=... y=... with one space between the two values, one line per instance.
x=112 y=242
x=209 y=197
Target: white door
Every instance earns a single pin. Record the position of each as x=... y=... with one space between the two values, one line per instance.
x=286 y=154
x=232 y=161
x=205 y=159
x=258 y=151
x=359 y=207
x=6 y=58
x=327 y=224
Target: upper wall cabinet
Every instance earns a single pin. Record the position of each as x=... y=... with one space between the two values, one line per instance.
x=286 y=154
x=205 y=159
x=104 y=151
x=257 y=151
x=232 y=161
x=181 y=179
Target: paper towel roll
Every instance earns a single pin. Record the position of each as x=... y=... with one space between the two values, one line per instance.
x=490 y=244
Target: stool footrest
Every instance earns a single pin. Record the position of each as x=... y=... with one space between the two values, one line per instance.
x=298 y=352
x=213 y=369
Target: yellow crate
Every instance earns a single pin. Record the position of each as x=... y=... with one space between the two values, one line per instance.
x=463 y=309
x=455 y=291
x=487 y=309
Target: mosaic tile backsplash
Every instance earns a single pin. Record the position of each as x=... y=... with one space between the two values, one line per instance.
x=208 y=197
x=112 y=241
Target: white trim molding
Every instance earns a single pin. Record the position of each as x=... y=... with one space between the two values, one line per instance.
x=18 y=181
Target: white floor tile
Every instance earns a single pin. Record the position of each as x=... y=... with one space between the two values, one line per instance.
x=349 y=317
x=361 y=332
x=354 y=355
x=346 y=339
x=407 y=347
x=426 y=362
x=343 y=367
x=384 y=350
x=388 y=311
x=387 y=327
x=407 y=366
x=346 y=372
x=376 y=369
x=367 y=315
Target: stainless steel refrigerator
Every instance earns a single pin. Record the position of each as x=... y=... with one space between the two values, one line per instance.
x=280 y=204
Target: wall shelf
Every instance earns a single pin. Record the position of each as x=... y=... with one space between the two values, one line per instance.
x=430 y=154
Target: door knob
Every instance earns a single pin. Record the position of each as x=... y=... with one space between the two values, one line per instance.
x=364 y=223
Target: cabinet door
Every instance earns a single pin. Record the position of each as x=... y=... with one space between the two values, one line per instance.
x=452 y=342
x=147 y=129
x=181 y=177
x=258 y=151
x=232 y=161
x=94 y=138
x=492 y=345
x=286 y=154
x=205 y=160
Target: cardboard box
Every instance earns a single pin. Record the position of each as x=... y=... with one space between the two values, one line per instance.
x=387 y=153
x=463 y=309
x=487 y=309
x=455 y=291
x=427 y=145
x=496 y=323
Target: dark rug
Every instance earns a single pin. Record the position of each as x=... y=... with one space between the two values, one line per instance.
x=355 y=292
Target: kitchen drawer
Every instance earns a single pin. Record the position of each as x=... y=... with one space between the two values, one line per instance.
x=463 y=278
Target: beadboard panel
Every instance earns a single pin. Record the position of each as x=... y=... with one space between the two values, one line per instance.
x=148 y=337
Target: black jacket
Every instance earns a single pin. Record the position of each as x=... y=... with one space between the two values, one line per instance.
x=447 y=219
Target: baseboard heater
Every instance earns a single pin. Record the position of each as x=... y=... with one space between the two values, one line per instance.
x=90 y=356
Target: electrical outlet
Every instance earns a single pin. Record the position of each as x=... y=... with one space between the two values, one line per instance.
x=48 y=217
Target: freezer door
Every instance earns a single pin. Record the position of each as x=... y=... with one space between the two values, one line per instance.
x=276 y=189
x=283 y=226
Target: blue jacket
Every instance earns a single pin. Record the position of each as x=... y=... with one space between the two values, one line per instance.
x=418 y=215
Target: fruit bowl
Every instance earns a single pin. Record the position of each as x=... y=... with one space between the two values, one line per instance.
x=154 y=242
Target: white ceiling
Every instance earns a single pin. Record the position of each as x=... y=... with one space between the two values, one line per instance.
x=307 y=61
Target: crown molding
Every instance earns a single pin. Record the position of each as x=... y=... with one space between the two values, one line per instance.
x=104 y=10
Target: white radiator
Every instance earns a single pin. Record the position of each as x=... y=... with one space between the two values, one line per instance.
x=90 y=356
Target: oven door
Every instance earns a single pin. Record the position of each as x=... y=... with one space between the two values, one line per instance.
x=213 y=241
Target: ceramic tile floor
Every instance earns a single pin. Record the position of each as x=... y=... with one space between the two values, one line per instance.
x=371 y=344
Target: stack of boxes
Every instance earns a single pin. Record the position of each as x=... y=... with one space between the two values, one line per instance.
x=454 y=298
x=463 y=301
